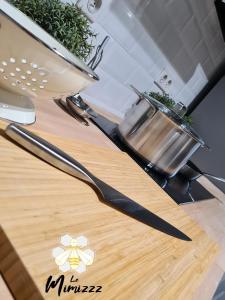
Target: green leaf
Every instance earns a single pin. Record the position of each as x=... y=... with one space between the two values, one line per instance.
x=63 y=21
x=168 y=102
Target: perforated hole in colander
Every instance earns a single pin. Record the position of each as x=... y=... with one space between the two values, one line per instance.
x=12 y=60
x=34 y=66
x=42 y=73
x=23 y=74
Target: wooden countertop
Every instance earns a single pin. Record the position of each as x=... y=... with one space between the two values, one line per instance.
x=39 y=204
x=52 y=119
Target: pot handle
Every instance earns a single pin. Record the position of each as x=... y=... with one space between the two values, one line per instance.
x=137 y=92
x=134 y=89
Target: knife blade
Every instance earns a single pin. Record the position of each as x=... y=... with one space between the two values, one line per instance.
x=109 y=195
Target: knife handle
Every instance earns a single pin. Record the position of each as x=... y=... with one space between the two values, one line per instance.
x=48 y=152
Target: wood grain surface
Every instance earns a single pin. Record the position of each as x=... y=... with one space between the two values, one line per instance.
x=52 y=119
x=39 y=204
x=4 y=291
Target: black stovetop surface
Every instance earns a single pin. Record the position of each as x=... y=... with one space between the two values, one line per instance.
x=173 y=186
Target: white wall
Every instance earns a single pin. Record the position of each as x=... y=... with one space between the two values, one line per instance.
x=149 y=38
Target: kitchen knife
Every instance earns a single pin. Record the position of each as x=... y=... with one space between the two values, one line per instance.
x=109 y=195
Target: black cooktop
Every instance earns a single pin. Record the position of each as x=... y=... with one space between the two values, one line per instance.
x=174 y=187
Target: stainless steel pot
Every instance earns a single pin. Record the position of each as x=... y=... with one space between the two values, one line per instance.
x=159 y=135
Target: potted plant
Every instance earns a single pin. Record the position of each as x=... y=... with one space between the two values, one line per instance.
x=64 y=21
x=168 y=102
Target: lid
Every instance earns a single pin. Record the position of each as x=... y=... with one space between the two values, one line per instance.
x=175 y=118
x=44 y=38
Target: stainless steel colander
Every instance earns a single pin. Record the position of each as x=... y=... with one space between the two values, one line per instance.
x=33 y=63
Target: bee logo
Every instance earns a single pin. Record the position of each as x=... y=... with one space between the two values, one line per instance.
x=72 y=257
